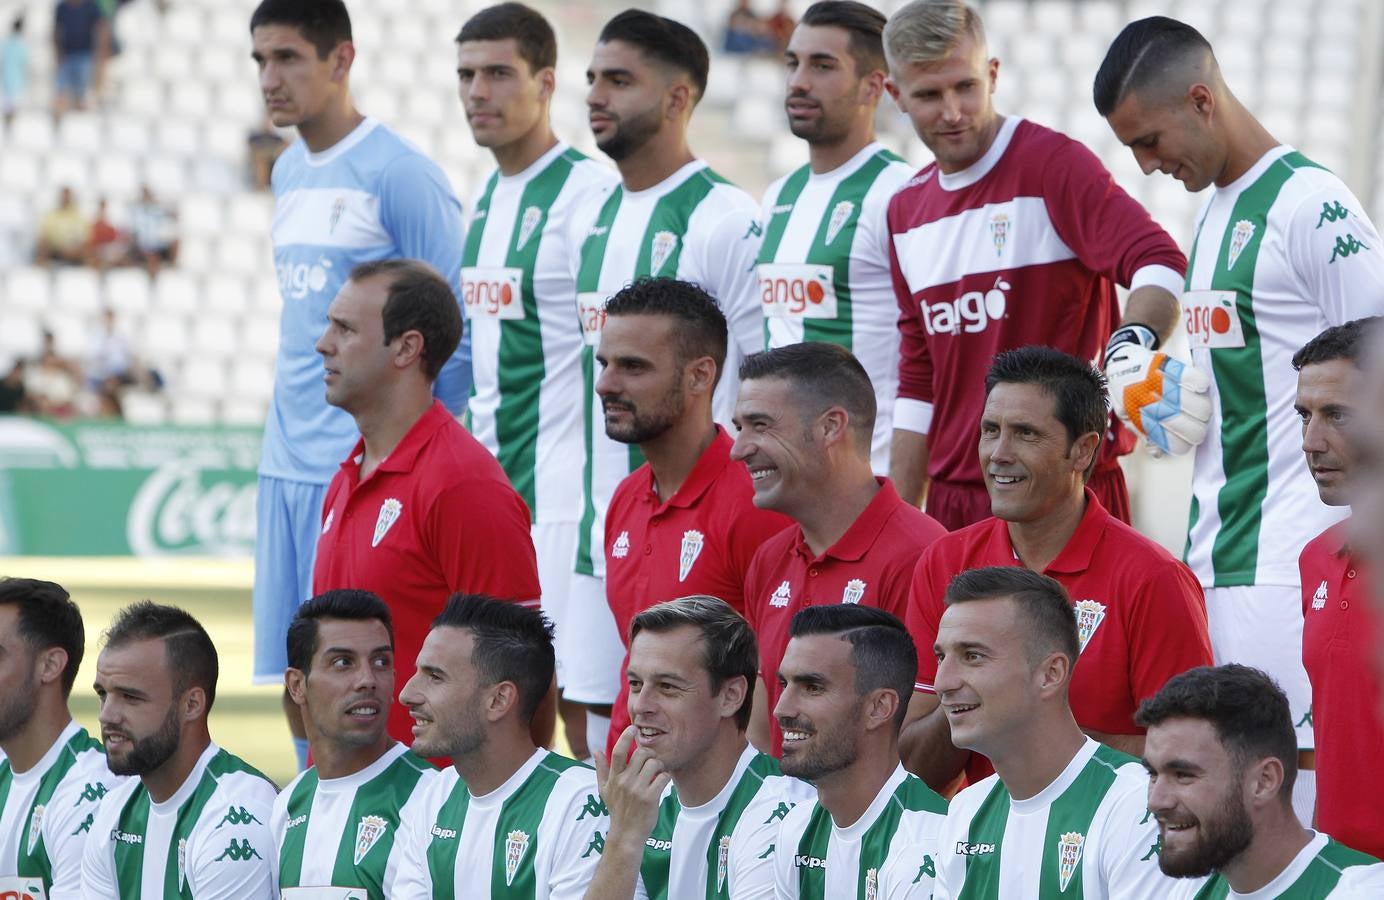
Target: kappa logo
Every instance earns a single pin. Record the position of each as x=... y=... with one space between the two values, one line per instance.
x=389 y=514
x=237 y=816
x=596 y=846
x=692 y=543
x=781 y=209
x=854 y=592
x=1332 y=212
x=528 y=225
x=36 y=825
x=182 y=863
x=444 y=834
x=780 y=812
x=871 y=884
x=658 y=845
x=126 y=837
x=331 y=517
x=722 y=862
x=368 y=830
x=479 y=214
x=840 y=215
x=91 y=793
x=965 y=849
x=1319 y=598
x=594 y=807
x=928 y=868
x=621 y=548
x=1068 y=857
x=1240 y=236
x=516 y=845
x=1346 y=246
x=782 y=596
x=238 y=851
x=660 y=250
x=999 y=232
x=597 y=230
x=1089 y=615
x=809 y=862
x=338 y=208
x=297 y=821
x=85 y=826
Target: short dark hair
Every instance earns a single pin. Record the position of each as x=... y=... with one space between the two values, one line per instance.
x=512 y=643
x=1145 y=55
x=729 y=649
x=514 y=21
x=823 y=375
x=324 y=23
x=1078 y=387
x=190 y=653
x=1246 y=707
x=1337 y=342
x=346 y=604
x=701 y=328
x=665 y=41
x=1043 y=602
x=47 y=618
x=882 y=650
x=419 y=299
x=864 y=24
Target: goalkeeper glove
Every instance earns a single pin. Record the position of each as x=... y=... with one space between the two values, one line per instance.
x=1166 y=401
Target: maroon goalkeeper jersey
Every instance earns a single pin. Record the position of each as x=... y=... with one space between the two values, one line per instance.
x=1023 y=247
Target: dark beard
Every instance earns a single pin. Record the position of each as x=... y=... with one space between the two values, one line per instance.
x=833 y=757
x=147 y=754
x=631 y=135
x=1222 y=839
x=18 y=709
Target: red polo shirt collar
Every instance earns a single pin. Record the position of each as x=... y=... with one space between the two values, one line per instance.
x=861 y=536
x=1076 y=555
x=709 y=467
x=402 y=458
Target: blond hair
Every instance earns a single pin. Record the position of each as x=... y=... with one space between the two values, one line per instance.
x=926 y=31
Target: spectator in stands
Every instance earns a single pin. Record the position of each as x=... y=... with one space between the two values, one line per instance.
x=109 y=364
x=13 y=397
x=81 y=36
x=14 y=69
x=265 y=145
x=745 y=31
x=106 y=245
x=63 y=232
x=53 y=381
x=154 y=229
x=779 y=27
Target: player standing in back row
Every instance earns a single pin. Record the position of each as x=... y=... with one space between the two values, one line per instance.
x=671 y=216
x=1283 y=250
x=824 y=266
x=1016 y=235
x=350 y=191
x=517 y=288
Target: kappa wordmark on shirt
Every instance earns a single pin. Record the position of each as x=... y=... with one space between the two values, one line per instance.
x=1320 y=597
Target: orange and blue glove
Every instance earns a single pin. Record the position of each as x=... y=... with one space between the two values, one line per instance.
x=1165 y=400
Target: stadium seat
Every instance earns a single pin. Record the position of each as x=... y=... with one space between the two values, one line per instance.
x=252 y=379
x=204 y=378
x=259 y=336
x=242 y=411
x=22 y=336
x=127 y=291
x=164 y=336
x=192 y=411
x=143 y=408
x=116 y=175
x=175 y=291
x=27 y=288
x=226 y=296
x=31 y=130
x=77 y=290
x=127 y=135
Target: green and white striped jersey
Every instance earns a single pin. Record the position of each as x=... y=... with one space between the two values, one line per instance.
x=517 y=286
x=539 y=835
x=824 y=269
x=694 y=226
x=208 y=841
x=1280 y=254
x=1323 y=870
x=339 y=837
x=725 y=847
x=46 y=815
x=889 y=853
x=1088 y=835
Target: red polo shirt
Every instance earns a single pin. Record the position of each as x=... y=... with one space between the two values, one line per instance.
x=1338 y=634
x=437 y=516
x=1141 y=614
x=700 y=541
x=871 y=564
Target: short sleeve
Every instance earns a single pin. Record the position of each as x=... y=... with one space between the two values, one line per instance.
x=231 y=860
x=580 y=842
x=478 y=530
x=1336 y=255
x=728 y=262
x=67 y=828
x=924 y=615
x=1129 y=846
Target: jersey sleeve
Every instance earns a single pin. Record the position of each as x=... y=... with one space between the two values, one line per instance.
x=1106 y=228
x=913 y=407
x=753 y=846
x=790 y=830
x=98 y=862
x=728 y=264
x=410 y=879
x=580 y=842
x=68 y=824
x=1167 y=631
x=912 y=868
x=1360 y=883
x=1129 y=845
x=1338 y=261
x=924 y=615
x=231 y=861
x=419 y=210
x=478 y=532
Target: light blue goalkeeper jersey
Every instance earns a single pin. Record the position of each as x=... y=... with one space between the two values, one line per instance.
x=371 y=196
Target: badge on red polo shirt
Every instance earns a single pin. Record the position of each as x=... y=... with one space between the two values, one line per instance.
x=1089 y=615
x=390 y=510
x=692 y=544
x=854 y=592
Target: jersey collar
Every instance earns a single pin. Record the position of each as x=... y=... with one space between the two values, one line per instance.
x=709 y=467
x=1259 y=168
x=669 y=183
x=358 y=134
x=714 y=806
x=538 y=165
x=981 y=167
x=513 y=783
x=403 y=456
x=1076 y=555
x=1044 y=798
x=849 y=166
x=50 y=756
x=1284 y=880
x=854 y=831
x=356 y=779
x=863 y=532
x=189 y=784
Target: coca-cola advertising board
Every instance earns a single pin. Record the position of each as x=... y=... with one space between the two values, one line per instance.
x=110 y=489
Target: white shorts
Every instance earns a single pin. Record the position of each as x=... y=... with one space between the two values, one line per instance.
x=556 y=545
x=593 y=645
x=1261 y=626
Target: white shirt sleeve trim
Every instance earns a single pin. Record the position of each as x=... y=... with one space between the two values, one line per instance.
x=912 y=415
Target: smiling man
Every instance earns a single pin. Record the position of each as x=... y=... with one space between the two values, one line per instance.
x=1222 y=756
x=1063 y=816
x=507 y=820
x=419 y=509
x=1140 y=613
x=1015 y=235
x=194 y=821
x=362 y=783
x=517 y=288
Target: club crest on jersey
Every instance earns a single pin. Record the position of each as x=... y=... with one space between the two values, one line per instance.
x=871 y=884
x=1239 y=237
x=1319 y=598
x=854 y=592
x=527 y=225
x=621 y=548
x=182 y=863
x=662 y=248
x=782 y=596
x=338 y=208
x=722 y=862
x=840 y=215
x=389 y=514
x=999 y=232
x=692 y=543
x=1068 y=857
x=368 y=830
x=35 y=826
x=516 y=845
x=1089 y=615
x=327 y=525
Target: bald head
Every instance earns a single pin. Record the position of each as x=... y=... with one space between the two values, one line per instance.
x=1157 y=59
